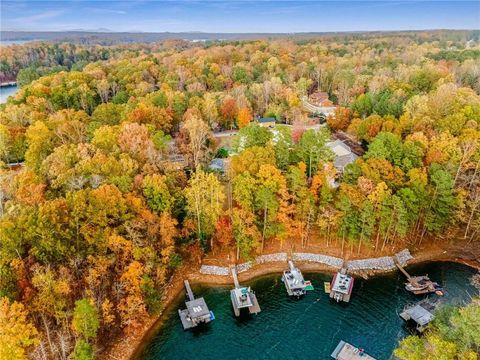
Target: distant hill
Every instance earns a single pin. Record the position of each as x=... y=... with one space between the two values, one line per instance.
x=104 y=37
x=126 y=37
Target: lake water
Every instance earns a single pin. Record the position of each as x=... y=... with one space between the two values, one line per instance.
x=16 y=42
x=7 y=91
x=308 y=328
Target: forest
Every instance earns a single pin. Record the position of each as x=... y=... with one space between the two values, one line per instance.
x=115 y=192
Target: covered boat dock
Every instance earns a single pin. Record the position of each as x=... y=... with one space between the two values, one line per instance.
x=294 y=281
x=346 y=351
x=243 y=297
x=342 y=286
x=197 y=311
x=421 y=314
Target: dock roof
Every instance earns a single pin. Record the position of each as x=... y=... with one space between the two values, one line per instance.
x=342 y=283
x=294 y=278
x=418 y=314
x=197 y=307
x=346 y=351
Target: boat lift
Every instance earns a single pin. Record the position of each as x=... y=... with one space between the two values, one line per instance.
x=243 y=297
x=294 y=281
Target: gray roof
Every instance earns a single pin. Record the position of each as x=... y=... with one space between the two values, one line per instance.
x=217 y=164
x=269 y=119
x=418 y=314
x=197 y=307
x=343 y=154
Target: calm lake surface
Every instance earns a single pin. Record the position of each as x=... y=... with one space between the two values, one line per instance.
x=6 y=91
x=308 y=328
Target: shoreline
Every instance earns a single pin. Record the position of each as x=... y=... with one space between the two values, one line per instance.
x=8 y=84
x=136 y=342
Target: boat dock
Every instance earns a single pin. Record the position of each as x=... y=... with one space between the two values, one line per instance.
x=243 y=297
x=421 y=314
x=341 y=286
x=346 y=351
x=294 y=281
x=419 y=285
x=8 y=83
x=197 y=311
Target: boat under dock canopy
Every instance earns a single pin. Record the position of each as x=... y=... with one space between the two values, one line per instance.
x=294 y=281
x=342 y=286
x=243 y=297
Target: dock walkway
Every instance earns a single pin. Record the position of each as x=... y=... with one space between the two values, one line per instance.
x=189 y=290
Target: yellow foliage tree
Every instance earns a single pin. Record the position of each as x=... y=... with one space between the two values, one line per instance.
x=16 y=331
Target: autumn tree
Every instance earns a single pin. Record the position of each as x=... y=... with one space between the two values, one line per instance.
x=197 y=136
x=311 y=149
x=340 y=120
x=205 y=199
x=244 y=117
x=17 y=333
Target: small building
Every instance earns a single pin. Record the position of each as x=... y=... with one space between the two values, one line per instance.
x=320 y=98
x=197 y=311
x=266 y=122
x=218 y=165
x=243 y=297
x=346 y=351
x=343 y=154
x=341 y=286
x=420 y=314
x=294 y=281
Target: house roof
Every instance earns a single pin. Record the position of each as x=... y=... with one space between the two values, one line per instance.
x=319 y=96
x=265 y=120
x=343 y=153
x=217 y=164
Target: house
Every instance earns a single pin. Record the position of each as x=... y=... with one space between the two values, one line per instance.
x=218 y=165
x=321 y=99
x=343 y=154
x=266 y=122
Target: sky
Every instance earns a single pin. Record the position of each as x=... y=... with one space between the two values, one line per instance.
x=238 y=16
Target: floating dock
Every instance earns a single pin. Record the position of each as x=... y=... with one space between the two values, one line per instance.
x=294 y=281
x=421 y=314
x=196 y=312
x=341 y=286
x=419 y=285
x=243 y=297
x=346 y=351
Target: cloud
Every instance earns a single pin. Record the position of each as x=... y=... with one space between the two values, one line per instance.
x=39 y=16
x=106 y=11
x=375 y=4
